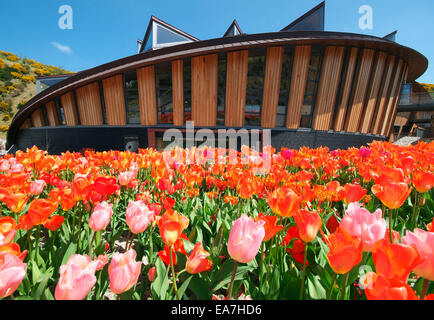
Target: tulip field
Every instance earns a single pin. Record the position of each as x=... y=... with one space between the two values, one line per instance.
x=353 y=224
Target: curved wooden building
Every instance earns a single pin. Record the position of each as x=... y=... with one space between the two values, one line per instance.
x=310 y=88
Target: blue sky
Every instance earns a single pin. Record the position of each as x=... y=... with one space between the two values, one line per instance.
x=106 y=30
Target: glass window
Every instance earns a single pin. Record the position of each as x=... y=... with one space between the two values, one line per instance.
x=187 y=90
x=312 y=22
x=221 y=91
x=132 y=98
x=255 y=86
x=168 y=36
x=285 y=86
x=311 y=87
x=60 y=112
x=163 y=85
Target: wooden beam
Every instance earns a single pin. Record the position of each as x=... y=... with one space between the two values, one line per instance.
x=372 y=93
x=300 y=71
x=89 y=105
x=396 y=99
x=69 y=109
x=38 y=118
x=360 y=87
x=236 y=84
x=346 y=84
x=53 y=120
x=114 y=98
x=328 y=87
x=270 y=97
x=147 y=97
x=178 y=92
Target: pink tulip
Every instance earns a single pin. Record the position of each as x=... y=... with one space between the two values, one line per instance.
x=37 y=186
x=123 y=271
x=77 y=277
x=101 y=260
x=364 y=152
x=12 y=272
x=245 y=239
x=423 y=242
x=138 y=216
x=125 y=177
x=101 y=216
x=359 y=222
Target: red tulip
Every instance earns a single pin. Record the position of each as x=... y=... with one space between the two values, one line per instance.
x=381 y=288
x=391 y=194
x=284 y=202
x=198 y=260
x=309 y=223
x=270 y=227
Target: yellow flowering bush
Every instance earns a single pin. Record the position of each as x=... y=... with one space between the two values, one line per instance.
x=2 y=64
x=28 y=78
x=4 y=128
x=12 y=57
x=16 y=75
x=4 y=106
x=41 y=72
x=6 y=117
x=19 y=68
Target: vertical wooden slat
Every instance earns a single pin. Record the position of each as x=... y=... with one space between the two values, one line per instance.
x=372 y=93
x=148 y=101
x=26 y=124
x=355 y=107
x=38 y=118
x=204 y=76
x=394 y=94
x=69 y=109
x=270 y=98
x=236 y=84
x=298 y=86
x=89 y=105
x=396 y=102
x=52 y=114
x=347 y=82
x=328 y=86
x=178 y=92
x=384 y=93
x=114 y=99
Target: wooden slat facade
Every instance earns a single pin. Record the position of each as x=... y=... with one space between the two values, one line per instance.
x=69 y=109
x=89 y=105
x=298 y=85
x=38 y=118
x=355 y=107
x=236 y=84
x=26 y=124
x=328 y=86
x=346 y=83
x=147 y=95
x=178 y=92
x=114 y=99
x=52 y=117
x=383 y=95
x=204 y=84
x=270 y=97
x=395 y=103
x=372 y=93
x=394 y=95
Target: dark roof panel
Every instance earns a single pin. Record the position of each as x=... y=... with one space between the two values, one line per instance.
x=313 y=20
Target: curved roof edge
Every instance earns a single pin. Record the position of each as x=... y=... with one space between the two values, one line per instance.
x=418 y=63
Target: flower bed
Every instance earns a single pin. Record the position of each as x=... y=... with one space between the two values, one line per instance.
x=313 y=224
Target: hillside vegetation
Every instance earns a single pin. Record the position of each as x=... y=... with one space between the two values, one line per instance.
x=18 y=84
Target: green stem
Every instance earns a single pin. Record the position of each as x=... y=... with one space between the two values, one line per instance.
x=390 y=225
x=415 y=212
x=79 y=231
x=261 y=268
x=424 y=289
x=303 y=277
x=91 y=243
x=173 y=272
x=231 y=285
x=344 y=286
x=329 y=292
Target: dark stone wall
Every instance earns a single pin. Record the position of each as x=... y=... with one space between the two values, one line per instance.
x=102 y=138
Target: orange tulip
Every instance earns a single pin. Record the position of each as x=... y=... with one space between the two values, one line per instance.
x=40 y=210
x=14 y=249
x=392 y=194
x=7 y=230
x=171 y=225
x=394 y=261
x=198 y=260
x=353 y=193
x=345 y=251
x=54 y=222
x=378 y=287
x=423 y=181
x=271 y=229
x=309 y=223
x=284 y=202
x=16 y=201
